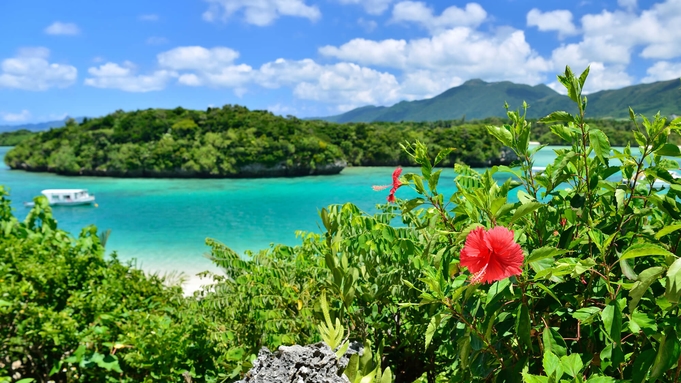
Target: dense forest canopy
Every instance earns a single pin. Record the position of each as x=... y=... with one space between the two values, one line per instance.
x=234 y=141
x=15 y=137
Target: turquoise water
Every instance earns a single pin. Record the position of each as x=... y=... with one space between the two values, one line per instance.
x=163 y=223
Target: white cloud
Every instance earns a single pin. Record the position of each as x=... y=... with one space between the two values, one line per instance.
x=419 y=13
x=59 y=28
x=208 y=67
x=558 y=20
x=197 y=58
x=149 y=17
x=114 y=76
x=627 y=4
x=155 y=40
x=663 y=70
x=30 y=70
x=459 y=52
x=601 y=77
x=348 y=86
x=260 y=12
x=374 y=7
x=22 y=116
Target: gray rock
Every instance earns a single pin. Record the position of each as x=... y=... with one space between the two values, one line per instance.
x=316 y=363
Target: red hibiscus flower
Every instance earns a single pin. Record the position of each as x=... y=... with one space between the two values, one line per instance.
x=396 y=185
x=492 y=255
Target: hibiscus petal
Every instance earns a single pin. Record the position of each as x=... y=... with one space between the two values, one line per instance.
x=475 y=253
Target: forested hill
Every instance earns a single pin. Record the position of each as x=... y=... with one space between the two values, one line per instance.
x=477 y=99
x=233 y=141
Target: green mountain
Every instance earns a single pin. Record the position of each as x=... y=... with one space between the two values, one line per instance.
x=477 y=99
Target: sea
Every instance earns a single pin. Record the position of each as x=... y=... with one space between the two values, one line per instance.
x=162 y=224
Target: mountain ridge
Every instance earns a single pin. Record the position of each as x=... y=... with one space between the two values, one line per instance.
x=39 y=126
x=478 y=99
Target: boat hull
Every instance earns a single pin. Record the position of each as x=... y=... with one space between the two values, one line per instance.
x=84 y=201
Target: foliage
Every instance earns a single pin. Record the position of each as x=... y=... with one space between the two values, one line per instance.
x=598 y=299
x=233 y=141
x=67 y=314
x=266 y=300
x=15 y=137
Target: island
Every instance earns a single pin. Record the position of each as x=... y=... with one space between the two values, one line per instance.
x=234 y=141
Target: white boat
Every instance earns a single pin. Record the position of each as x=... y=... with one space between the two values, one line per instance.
x=66 y=197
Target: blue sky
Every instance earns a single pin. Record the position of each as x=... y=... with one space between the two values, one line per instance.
x=313 y=58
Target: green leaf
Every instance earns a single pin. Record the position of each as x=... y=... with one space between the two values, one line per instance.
x=523 y=325
x=549 y=292
x=387 y=376
x=554 y=342
x=603 y=379
x=627 y=270
x=552 y=365
x=645 y=279
x=442 y=154
x=524 y=210
x=502 y=134
x=673 y=288
x=432 y=327
x=669 y=150
x=353 y=368
x=619 y=198
x=642 y=365
x=645 y=249
x=572 y=364
x=667 y=354
x=599 y=142
x=545 y=252
x=558 y=116
x=612 y=321
x=667 y=230
x=586 y=314
x=26 y=380
x=529 y=378
x=563 y=132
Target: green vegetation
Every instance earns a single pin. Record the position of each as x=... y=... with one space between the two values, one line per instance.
x=596 y=299
x=476 y=99
x=233 y=141
x=15 y=137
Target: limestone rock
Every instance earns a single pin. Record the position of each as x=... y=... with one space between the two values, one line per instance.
x=316 y=363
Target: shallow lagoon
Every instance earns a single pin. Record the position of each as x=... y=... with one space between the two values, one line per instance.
x=163 y=223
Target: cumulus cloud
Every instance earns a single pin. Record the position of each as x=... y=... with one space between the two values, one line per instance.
x=558 y=20
x=655 y=30
x=123 y=77
x=197 y=57
x=419 y=13
x=663 y=70
x=209 y=67
x=31 y=70
x=460 y=52
x=259 y=12
x=601 y=77
x=22 y=116
x=59 y=28
x=374 y=7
